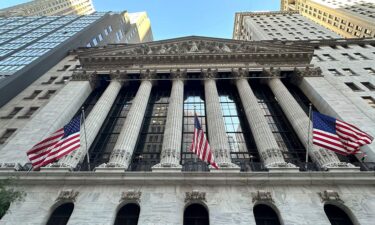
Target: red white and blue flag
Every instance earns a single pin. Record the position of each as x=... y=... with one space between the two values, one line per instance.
x=337 y=135
x=60 y=143
x=200 y=145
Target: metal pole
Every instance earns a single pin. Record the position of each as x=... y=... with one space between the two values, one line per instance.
x=84 y=127
x=308 y=136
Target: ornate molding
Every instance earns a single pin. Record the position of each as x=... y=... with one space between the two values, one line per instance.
x=209 y=73
x=330 y=195
x=261 y=195
x=240 y=73
x=67 y=195
x=131 y=195
x=148 y=74
x=178 y=74
x=272 y=72
x=308 y=72
x=195 y=196
x=117 y=75
x=10 y=166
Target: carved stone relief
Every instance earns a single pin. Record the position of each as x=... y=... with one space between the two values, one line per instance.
x=131 y=195
x=329 y=195
x=262 y=196
x=67 y=195
x=195 y=196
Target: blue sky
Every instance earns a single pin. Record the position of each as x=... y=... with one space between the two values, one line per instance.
x=176 y=18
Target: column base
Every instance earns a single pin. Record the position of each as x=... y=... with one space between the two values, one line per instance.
x=166 y=168
x=10 y=167
x=55 y=169
x=226 y=168
x=283 y=169
x=343 y=169
x=110 y=169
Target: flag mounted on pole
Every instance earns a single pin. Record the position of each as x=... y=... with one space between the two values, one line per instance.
x=58 y=144
x=337 y=135
x=200 y=145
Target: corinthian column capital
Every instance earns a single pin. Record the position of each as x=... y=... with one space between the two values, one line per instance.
x=209 y=73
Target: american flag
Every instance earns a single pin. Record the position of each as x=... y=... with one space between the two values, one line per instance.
x=338 y=136
x=200 y=145
x=60 y=143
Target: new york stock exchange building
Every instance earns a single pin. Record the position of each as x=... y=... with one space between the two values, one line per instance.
x=252 y=100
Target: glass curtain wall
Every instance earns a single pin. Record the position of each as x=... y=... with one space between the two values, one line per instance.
x=104 y=143
x=150 y=141
x=193 y=102
x=242 y=146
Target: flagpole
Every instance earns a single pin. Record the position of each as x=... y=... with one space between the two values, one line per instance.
x=308 y=136
x=84 y=127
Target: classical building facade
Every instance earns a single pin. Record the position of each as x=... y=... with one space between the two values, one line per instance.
x=50 y=8
x=350 y=19
x=134 y=164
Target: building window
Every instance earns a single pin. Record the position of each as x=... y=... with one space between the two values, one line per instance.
x=105 y=31
x=346 y=55
x=329 y=57
x=51 y=79
x=349 y=72
x=335 y=72
x=48 y=94
x=368 y=85
x=94 y=41
x=193 y=101
x=265 y=215
x=6 y=135
x=88 y=45
x=241 y=144
x=29 y=113
x=110 y=28
x=33 y=95
x=101 y=149
x=361 y=56
x=100 y=37
x=128 y=214
x=64 y=68
x=317 y=58
x=61 y=214
x=370 y=71
x=370 y=100
x=337 y=215
x=196 y=214
x=13 y=113
x=352 y=86
x=63 y=80
x=150 y=142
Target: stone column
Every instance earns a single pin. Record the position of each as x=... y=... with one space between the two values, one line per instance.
x=55 y=114
x=122 y=153
x=93 y=123
x=171 y=150
x=216 y=128
x=299 y=120
x=265 y=141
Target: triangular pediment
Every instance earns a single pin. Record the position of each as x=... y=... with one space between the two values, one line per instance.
x=194 y=45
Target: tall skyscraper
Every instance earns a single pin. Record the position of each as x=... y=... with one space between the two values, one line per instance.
x=348 y=18
x=139 y=101
x=278 y=26
x=50 y=8
x=32 y=45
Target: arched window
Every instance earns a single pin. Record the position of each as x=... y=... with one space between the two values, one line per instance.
x=265 y=215
x=336 y=215
x=61 y=214
x=128 y=215
x=196 y=214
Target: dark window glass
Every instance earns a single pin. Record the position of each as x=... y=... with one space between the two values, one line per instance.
x=287 y=140
x=150 y=140
x=336 y=215
x=353 y=86
x=51 y=79
x=196 y=214
x=265 y=215
x=368 y=85
x=193 y=101
x=105 y=141
x=34 y=94
x=128 y=215
x=6 y=135
x=242 y=145
x=13 y=112
x=61 y=214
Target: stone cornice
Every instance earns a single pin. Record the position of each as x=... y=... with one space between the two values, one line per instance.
x=185 y=178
